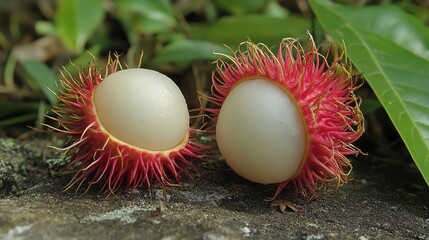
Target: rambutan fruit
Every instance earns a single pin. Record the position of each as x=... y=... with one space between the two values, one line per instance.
x=287 y=117
x=126 y=127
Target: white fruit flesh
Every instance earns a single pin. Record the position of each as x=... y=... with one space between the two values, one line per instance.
x=260 y=132
x=142 y=108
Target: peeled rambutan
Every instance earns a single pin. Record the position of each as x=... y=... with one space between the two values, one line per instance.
x=126 y=128
x=287 y=117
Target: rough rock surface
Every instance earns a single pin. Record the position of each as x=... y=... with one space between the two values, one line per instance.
x=385 y=200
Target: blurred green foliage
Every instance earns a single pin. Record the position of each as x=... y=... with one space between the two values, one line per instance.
x=76 y=20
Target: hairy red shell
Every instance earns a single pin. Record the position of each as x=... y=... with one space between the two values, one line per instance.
x=95 y=157
x=324 y=93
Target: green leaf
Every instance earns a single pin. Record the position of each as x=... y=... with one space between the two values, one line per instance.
x=17 y=112
x=183 y=52
x=274 y=9
x=391 y=48
x=44 y=76
x=76 y=20
x=149 y=16
x=241 y=6
x=44 y=28
x=18 y=119
x=232 y=30
x=8 y=108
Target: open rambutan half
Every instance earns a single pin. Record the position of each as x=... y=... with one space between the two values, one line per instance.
x=286 y=117
x=126 y=127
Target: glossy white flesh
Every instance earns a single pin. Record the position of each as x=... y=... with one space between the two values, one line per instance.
x=260 y=132
x=142 y=108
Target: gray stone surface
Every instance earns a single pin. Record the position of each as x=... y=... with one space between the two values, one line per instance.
x=385 y=200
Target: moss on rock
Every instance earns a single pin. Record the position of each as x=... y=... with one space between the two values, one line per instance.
x=21 y=165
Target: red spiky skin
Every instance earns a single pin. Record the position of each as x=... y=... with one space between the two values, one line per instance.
x=324 y=96
x=98 y=158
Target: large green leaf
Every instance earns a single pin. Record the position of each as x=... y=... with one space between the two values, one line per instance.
x=391 y=48
x=76 y=20
x=232 y=30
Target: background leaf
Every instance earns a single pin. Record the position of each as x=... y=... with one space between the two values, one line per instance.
x=391 y=48
x=183 y=52
x=17 y=112
x=241 y=6
x=9 y=108
x=232 y=30
x=43 y=75
x=149 y=16
x=76 y=20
